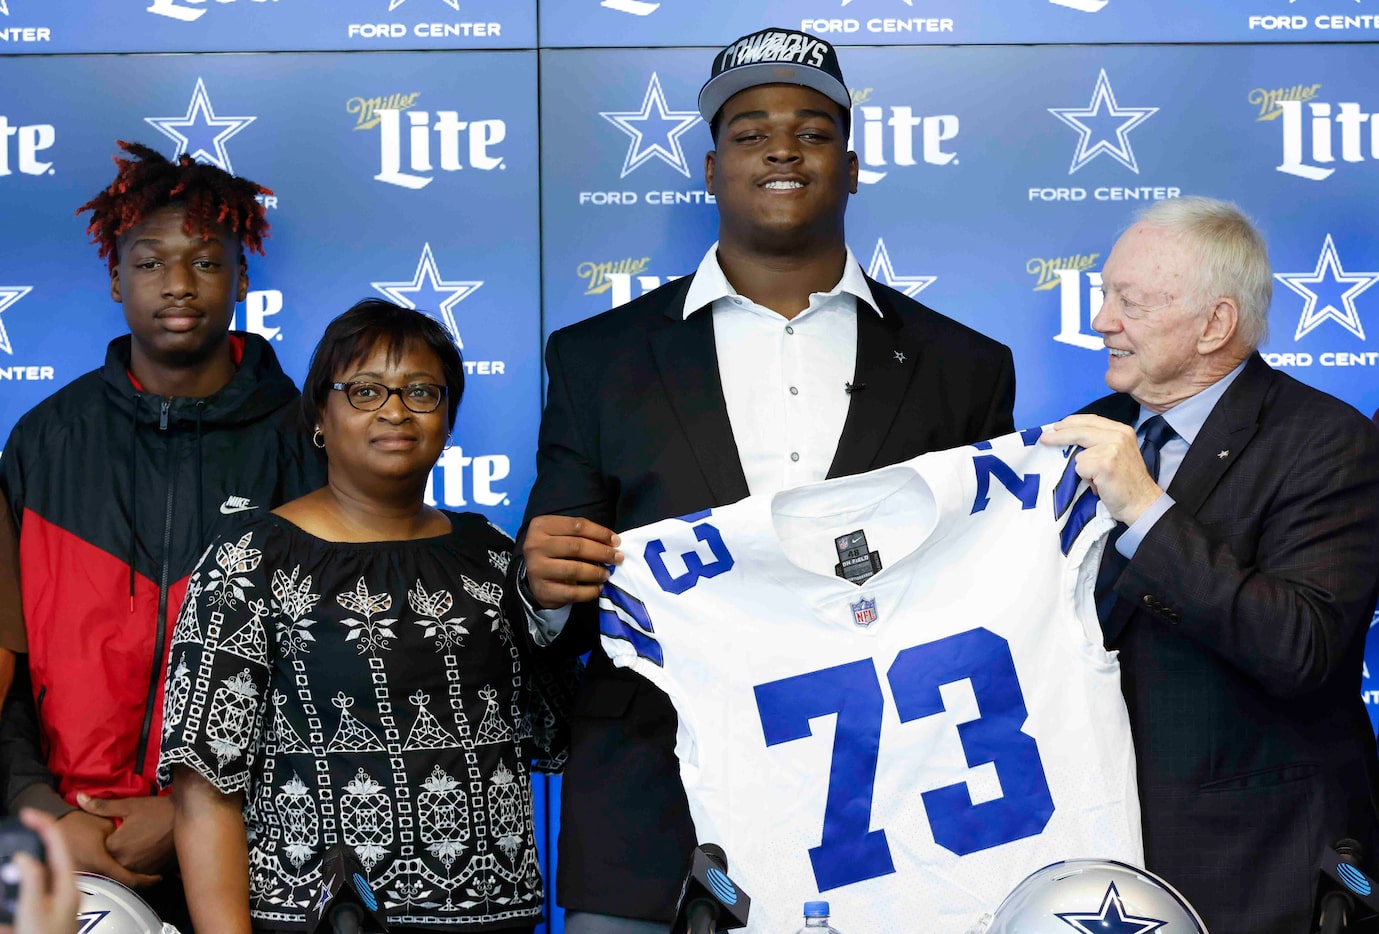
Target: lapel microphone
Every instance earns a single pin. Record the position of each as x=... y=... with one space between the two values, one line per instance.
x=850 y=388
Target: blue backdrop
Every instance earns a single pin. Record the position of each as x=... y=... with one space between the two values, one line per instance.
x=511 y=184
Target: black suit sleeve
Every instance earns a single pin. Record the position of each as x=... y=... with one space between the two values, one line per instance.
x=568 y=480
x=1000 y=416
x=1288 y=614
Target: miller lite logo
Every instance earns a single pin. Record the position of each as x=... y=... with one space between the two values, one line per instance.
x=366 y=109
x=1312 y=130
x=863 y=612
x=1046 y=271
x=457 y=144
x=893 y=135
x=23 y=155
x=596 y=276
x=258 y=308
x=1075 y=324
x=1267 y=99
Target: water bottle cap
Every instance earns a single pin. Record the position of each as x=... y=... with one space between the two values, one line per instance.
x=816 y=909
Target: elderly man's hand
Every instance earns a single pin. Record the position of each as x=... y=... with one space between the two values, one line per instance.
x=1110 y=461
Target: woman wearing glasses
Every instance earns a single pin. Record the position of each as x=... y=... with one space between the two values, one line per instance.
x=343 y=673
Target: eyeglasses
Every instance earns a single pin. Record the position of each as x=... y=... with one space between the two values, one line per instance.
x=370 y=397
x=1132 y=309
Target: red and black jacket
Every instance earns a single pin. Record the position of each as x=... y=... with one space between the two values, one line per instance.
x=116 y=494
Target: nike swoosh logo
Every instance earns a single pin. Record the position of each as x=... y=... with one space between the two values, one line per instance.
x=856 y=539
x=226 y=509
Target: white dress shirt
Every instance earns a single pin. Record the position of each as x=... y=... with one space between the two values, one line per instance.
x=1186 y=419
x=785 y=383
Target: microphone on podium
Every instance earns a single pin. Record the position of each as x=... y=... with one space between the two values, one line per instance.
x=1345 y=894
x=346 y=903
x=710 y=901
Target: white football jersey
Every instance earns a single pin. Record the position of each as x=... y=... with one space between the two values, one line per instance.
x=907 y=743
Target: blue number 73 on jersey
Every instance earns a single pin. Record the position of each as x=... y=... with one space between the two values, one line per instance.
x=849 y=850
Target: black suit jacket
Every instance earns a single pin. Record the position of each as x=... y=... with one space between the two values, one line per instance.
x=636 y=430
x=1241 y=623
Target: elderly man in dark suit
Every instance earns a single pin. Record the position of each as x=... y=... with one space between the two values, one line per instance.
x=779 y=362
x=1240 y=586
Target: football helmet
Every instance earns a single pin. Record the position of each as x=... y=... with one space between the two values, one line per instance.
x=107 y=907
x=1094 y=896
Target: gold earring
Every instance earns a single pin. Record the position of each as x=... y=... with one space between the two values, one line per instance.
x=318 y=439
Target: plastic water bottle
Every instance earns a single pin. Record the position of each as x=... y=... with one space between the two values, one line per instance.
x=816 y=919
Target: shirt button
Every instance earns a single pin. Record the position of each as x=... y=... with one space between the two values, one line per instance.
x=794 y=455
x=794 y=391
x=789 y=329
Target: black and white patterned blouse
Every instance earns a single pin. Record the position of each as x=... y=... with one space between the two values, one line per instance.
x=370 y=694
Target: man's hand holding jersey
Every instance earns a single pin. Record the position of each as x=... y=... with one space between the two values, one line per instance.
x=566 y=559
x=1110 y=461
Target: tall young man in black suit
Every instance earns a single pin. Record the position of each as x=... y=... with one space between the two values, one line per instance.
x=778 y=363
x=1240 y=588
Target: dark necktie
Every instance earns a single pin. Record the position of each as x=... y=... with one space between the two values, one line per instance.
x=1157 y=433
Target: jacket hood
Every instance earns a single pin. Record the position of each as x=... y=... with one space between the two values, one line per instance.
x=258 y=388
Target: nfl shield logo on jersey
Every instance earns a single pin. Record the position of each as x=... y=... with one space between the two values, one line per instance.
x=864 y=612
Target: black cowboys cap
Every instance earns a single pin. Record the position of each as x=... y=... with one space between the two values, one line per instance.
x=774 y=56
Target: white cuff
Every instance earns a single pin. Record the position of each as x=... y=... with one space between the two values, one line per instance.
x=544 y=625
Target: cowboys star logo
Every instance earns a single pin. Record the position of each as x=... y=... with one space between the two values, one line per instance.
x=635 y=7
x=1116 y=121
x=437 y=293
x=87 y=921
x=1111 y=919
x=206 y=133
x=453 y=4
x=664 y=128
x=1330 y=292
x=882 y=271
x=9 y=294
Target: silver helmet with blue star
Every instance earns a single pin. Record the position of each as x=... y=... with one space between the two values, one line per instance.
x=107 y=907
x=1094 y=896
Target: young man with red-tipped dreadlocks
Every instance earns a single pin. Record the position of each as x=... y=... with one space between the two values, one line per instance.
x=116 y=484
